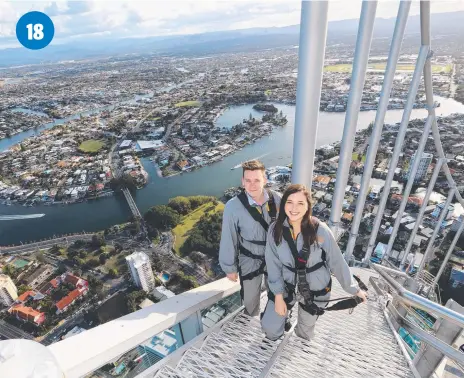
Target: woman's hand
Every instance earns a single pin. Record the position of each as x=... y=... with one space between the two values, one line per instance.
x=362 y=294
x=280 y=305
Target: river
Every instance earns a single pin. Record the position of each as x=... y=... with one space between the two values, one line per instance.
x=275 y=149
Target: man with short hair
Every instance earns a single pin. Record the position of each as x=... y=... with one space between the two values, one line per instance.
x=244 y=229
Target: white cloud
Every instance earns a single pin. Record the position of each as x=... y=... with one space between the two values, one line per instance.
x=151 y=18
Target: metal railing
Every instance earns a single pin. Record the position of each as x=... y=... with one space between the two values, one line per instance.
x=423 y=69
x=116 y=340
x=439 y=336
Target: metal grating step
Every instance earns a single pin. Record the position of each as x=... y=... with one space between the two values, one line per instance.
x=239 y=349
x=360 y=344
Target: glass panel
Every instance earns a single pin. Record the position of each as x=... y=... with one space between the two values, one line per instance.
x=157 y=347
x=214 y=314
x=143 y=356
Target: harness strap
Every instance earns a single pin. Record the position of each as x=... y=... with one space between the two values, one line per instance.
x=257 y=272
x=253 y=211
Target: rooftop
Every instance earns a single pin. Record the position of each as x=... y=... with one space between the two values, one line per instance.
x=138 y=259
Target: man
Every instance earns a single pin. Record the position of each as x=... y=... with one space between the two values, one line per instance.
x=244 y=230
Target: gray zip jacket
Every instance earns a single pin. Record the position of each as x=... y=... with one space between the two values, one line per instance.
x=236 y=217
x=277 y=255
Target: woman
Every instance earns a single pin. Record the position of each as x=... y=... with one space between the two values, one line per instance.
x=301 y=272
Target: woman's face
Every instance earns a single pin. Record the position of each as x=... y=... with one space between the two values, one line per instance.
x=296 y=207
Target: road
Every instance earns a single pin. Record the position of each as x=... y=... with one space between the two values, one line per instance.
x=9 y=331
x=175 y=123
x=46 y=244
x=165 y=248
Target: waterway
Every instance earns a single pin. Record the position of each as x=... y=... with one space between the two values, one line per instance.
x=275 y=149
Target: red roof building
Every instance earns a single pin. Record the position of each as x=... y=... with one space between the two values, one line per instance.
x=63 y=304
x=25 y=296
x=28 y=314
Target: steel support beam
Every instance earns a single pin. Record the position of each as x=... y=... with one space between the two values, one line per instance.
x=398 y=147
x=313 y=35
x=412 y=177
x=378 y=124
x=361 y=57
x=448 y=254
x=428 y=193
x=435 y=231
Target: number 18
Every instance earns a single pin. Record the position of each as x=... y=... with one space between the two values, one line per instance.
x=38 y=32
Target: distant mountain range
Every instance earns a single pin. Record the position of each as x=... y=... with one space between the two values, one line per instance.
x=442 y=24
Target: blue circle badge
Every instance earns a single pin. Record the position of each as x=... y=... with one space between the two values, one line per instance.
x=35 y=30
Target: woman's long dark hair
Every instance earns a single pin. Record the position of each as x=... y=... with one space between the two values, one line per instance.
x=308 y=224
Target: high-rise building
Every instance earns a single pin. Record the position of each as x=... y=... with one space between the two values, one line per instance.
x=424 y=165
x=8 y=291
x=140 y=269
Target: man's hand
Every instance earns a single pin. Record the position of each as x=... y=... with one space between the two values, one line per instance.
x=280 y=305
x=232 y=276
x=362 y=294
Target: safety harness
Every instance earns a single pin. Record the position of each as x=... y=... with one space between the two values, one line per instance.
x=258 y=217
x=306 y=295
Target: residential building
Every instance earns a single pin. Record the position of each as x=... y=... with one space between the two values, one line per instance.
x=161 y=293
x=141 y=272
x=24 y=297
x=8 y=291
x=158 y=347
x=27 y=314
x=457 y=223
x=424 y=165
x=439 y=208
x=63 y=304
x=39 y=276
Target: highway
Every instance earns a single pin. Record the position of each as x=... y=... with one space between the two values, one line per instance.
x=46 y=244
x=9 y=331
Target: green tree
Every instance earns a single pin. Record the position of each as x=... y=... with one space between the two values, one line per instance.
x=23 y=288
x=180 y=204
x=47 y=306
x=92 y=263
x=206 y=235
x=102 y=258
x=162 y=217
x=185 y=282
x=134 y=299
x=113 y=273
x=55 y=250
x=10 y=270
x=98 y=240
x=40 y=257
x=196 y=201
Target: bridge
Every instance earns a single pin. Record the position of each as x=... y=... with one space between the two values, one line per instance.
x=133 y=206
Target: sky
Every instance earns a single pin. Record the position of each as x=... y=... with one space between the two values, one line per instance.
x=134 y=18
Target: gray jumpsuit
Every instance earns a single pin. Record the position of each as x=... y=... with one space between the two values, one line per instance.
x=277 y=255
x=237 y=218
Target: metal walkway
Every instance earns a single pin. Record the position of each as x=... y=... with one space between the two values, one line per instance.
x=357 y=345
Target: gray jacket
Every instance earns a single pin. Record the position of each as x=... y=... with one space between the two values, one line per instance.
x=277 y=255
x=236 y=217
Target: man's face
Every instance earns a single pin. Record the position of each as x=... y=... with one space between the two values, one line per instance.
x=253 y=182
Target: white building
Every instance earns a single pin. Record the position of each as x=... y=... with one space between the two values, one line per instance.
x=457 y=223
x=424 y=165
x=8 y=291
x=140 y=269
x=439 y=208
